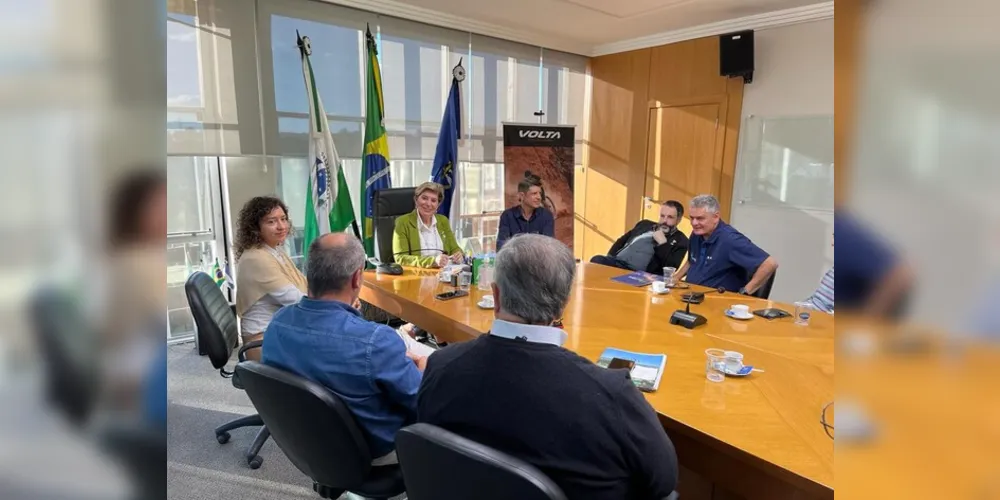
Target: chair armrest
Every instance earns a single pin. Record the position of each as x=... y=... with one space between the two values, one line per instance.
x=242 y=354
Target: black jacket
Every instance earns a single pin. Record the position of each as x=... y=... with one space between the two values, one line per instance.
x=670 y=253
x=588 y=428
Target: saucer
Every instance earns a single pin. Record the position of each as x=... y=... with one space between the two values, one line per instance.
x=743 y=372
x=482 y=305
x=731 y=314
x=654 y=292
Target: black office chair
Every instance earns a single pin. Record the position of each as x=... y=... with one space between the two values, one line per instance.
x=474 y=470
x=69 y=352
x=389 y=204
x=318 y=434
x=216 y=324
x=765 y=290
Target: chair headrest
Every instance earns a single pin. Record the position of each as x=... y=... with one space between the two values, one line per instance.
x=217 y=331
x=311 y=425
x=393 y=202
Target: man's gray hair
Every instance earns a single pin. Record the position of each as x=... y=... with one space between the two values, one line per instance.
x=535 y=275
x=708 y=202
x=329 y=267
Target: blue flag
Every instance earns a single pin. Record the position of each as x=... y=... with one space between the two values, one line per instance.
x=445 y=171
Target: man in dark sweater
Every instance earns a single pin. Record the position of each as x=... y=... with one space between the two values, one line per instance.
x=518 y=390
x=650 y=246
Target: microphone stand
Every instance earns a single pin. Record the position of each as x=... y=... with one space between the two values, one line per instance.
x=688 y=319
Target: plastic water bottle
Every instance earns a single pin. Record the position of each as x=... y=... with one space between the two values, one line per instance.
x=486 y=273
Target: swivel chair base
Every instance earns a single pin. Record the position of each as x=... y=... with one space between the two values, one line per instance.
x=253 y=459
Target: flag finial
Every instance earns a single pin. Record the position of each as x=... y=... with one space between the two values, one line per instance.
x=304 y=45
x=458 y=72
x=370 y=39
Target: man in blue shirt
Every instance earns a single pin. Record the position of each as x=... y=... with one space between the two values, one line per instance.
x=720 y=256
x=325 y=339
x=872 y=278
x=528 y=217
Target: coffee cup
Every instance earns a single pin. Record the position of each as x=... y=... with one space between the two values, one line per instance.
x=486 y=301
x=660 y=286
x=740 y=309
x=734 y=361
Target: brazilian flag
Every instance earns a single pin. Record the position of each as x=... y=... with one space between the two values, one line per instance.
x=221 y=275
x=375 y=162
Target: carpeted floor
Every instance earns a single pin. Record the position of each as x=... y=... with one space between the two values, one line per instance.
x=200 y=468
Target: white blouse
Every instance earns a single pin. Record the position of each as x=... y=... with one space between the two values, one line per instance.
x=430 y=238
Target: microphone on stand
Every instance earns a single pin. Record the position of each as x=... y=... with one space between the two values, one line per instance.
x=699 y=297
x=390 y=268
x=688 y=319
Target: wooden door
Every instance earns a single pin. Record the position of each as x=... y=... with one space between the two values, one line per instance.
x=683 y=156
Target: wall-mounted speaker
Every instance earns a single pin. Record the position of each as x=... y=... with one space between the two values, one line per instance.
x=736 y=55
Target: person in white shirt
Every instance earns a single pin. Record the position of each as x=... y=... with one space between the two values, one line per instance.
x=266 y=277
x=423 y=238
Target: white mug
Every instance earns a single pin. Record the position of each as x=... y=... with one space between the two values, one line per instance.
x=659 y=286
x=486 y=301
x=740 y=309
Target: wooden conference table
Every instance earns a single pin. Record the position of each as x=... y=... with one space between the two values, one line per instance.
x=755 y=437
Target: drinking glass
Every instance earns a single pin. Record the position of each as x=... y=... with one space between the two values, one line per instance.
x=464 y=280
x=668 y=275
x=715 y=363
x=803 y=311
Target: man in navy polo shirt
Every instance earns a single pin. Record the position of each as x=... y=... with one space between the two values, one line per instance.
x=528 y=217
x=719 y=256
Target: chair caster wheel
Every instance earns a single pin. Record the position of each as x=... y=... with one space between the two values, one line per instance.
x=255 y=462
x=222 y=438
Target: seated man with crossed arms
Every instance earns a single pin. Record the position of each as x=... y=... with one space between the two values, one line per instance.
x=650 y=246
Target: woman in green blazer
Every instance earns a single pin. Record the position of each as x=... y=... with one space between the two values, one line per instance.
x=422 y=238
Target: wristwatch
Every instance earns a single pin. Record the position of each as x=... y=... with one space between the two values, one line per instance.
x=743 y=291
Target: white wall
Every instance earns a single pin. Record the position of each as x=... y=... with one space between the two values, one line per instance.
x=793 y=77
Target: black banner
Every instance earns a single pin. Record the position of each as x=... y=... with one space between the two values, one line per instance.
x=524 y=135
x=545 y=152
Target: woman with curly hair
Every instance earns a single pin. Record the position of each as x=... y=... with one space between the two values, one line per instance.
x=266 y=278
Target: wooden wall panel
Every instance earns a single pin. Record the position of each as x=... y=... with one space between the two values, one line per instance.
x=617 y=148
x=683 y=71
x=626 y=87
x=847 y=29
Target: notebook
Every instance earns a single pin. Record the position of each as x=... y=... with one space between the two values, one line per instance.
x=638 y=278
x=647 y=370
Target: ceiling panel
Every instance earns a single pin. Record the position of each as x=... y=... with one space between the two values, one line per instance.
x=588 y=23
x=629 y=8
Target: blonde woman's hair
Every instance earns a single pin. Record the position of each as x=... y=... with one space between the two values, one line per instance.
x=429 y=186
